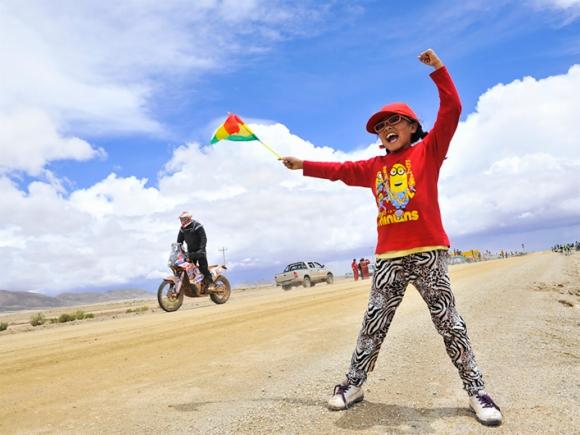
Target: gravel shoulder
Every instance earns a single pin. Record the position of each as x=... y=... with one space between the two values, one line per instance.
x=266 y=361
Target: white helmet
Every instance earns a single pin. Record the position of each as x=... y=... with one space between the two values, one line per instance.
x=185 y=218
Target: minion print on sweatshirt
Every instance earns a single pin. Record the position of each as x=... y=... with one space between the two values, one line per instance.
x=394 y=190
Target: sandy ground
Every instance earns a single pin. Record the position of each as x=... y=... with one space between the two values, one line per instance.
x=266 y=361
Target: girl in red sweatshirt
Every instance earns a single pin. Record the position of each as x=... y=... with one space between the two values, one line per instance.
x=412 y=244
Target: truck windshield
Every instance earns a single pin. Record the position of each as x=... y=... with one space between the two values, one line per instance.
x=294 y=266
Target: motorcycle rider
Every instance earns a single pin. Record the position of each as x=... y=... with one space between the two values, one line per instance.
x=192 y=233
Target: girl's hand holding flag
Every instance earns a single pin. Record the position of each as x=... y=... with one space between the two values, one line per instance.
x=292 y=162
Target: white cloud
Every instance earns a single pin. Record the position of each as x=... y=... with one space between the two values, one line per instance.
x=98 y=63
x=513 y=167
x=78 y=67
x=570 y=9
x=81 y=67
x=258 y=207
x=523 y=117
x=29 y=139
x=54 y=60
x=560 y=4
x=516 y=157
x=120 y=229
x=119 y=197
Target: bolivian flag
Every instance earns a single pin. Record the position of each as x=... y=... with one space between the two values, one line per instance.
x=235 y=129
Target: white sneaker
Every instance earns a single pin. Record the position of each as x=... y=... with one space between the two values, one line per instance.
x=486 y=411
x=345 y=395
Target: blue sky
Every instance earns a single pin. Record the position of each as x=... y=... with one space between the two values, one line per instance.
x=107 y=112
x=324 y=82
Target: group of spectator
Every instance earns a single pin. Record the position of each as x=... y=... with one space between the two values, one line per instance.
x=471 y=255
x=361 y=269
x=507 y=254
x=476 y=255
x=566 y=248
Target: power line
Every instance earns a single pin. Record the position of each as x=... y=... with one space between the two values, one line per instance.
x=223 y=251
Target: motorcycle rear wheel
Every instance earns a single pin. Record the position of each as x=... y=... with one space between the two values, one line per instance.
x=224 y=290
x=169 y=300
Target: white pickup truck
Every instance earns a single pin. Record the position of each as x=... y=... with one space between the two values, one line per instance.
x=305 y=273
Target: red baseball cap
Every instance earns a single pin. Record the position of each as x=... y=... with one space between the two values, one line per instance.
x=400 y=108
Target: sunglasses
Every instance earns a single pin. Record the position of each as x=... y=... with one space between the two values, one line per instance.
x=391 y=120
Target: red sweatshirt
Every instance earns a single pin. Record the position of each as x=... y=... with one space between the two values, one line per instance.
x=404 y=183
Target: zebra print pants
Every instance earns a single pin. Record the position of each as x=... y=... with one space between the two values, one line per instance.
x=427 y=271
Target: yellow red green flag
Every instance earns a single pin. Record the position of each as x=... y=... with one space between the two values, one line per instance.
x=235 y=129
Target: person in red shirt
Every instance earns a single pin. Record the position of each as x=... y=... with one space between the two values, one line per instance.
x=354 y=269
x=364 y=265
x=411 y=244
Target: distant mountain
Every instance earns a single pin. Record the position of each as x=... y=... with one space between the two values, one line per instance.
x=16 y=301
x=96 y=297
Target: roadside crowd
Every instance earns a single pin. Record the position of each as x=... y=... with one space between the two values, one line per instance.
x=566 y=248
x=362 y=269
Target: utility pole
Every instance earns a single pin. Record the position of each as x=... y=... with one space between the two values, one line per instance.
x=223 y=251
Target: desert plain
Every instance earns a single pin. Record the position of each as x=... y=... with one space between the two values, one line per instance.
x=268 y=359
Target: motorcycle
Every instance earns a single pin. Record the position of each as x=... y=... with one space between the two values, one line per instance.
x=187 y=280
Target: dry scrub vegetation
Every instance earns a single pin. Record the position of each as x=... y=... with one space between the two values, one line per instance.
x=40 y=319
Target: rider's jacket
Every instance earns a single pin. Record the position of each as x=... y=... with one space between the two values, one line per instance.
x=194 y=235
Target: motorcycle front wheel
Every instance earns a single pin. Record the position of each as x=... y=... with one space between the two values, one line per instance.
x=169 y=300
x=222 y=291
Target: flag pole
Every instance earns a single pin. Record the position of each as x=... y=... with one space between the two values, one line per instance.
x=270 y=149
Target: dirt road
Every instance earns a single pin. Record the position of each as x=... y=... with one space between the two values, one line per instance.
x=266 y=362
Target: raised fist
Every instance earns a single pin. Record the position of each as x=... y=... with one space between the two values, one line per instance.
x=429 y=57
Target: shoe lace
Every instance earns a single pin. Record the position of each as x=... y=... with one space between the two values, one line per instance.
x=487 y=401
x=342 y=389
